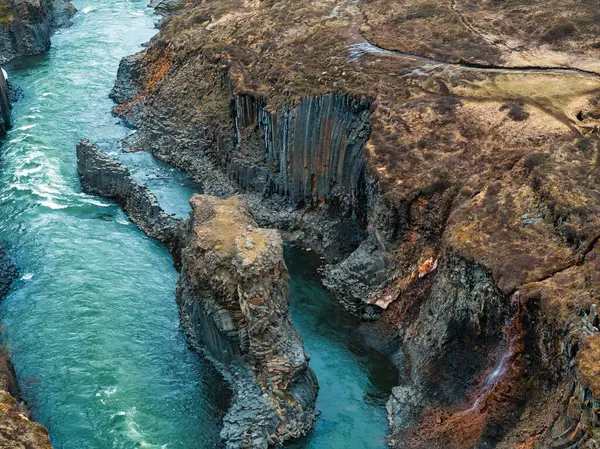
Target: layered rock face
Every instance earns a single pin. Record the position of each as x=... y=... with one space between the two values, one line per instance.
x=469 y=224
x=233 y=297
x=105 y=176
x=270 y=152
x=26 y=25
x=336 y=125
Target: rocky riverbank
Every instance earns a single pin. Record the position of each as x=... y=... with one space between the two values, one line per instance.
x=17 y=430
x=233 y=297
x=26 y=25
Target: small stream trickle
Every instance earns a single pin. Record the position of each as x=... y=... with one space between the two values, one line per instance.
x=513 y=333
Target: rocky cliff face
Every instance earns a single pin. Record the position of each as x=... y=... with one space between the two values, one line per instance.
x=468 y=224
x=269 y=152
x=233 y=297
x=26 y=25
x=335 y=124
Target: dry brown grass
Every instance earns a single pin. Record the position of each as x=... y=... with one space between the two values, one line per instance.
x=515 y=32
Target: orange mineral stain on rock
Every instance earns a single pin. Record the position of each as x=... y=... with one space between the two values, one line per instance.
x=427 y=267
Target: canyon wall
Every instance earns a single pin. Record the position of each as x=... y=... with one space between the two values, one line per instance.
x=457 y=205
x=233 y=298
x=26 y=25
x=22 y=432
x=268 y=152
x=313 y=151
x=309 y=155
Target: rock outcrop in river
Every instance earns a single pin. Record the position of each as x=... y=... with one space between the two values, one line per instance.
x=233 y=297
x=453 y=188
x=105 y=176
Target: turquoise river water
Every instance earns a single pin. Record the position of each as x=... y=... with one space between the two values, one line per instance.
x=91 y=323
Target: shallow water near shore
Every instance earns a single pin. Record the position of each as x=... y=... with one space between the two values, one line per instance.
x=92 y=323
